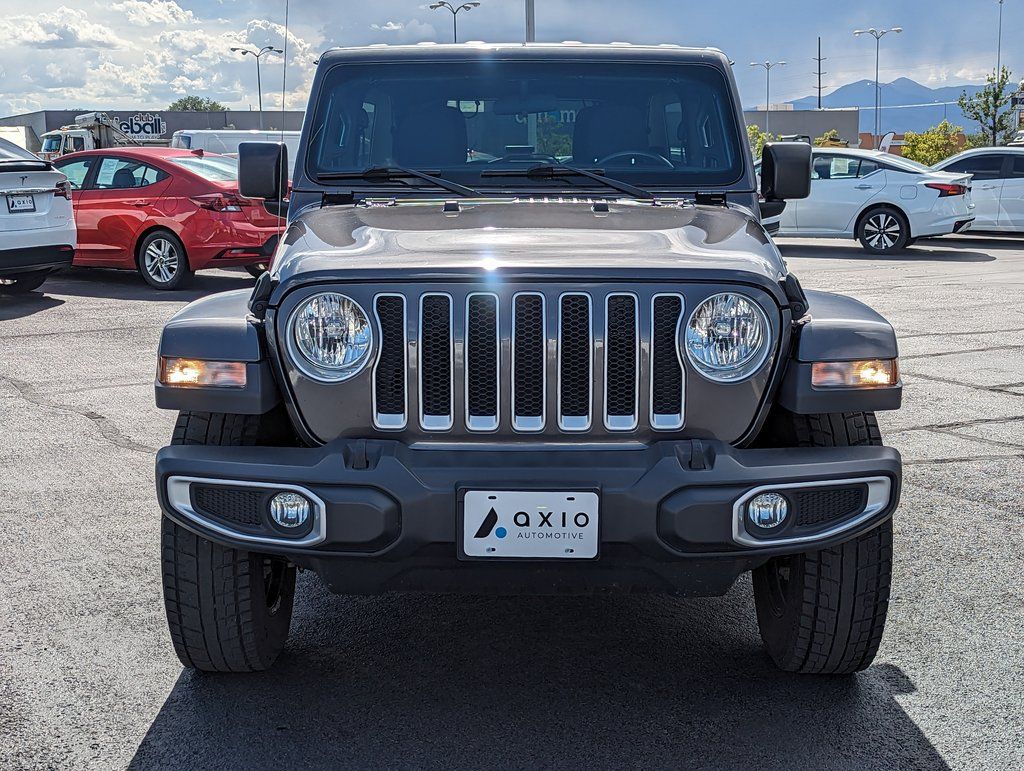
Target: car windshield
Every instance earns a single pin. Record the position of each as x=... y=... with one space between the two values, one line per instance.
x=662 y=125
x=216 y=168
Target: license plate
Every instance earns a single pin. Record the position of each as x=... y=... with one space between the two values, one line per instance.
x=20 y=203
x=533 y=524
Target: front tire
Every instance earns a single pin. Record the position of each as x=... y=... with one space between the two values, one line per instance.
x=824 y=611
x=162 y=261
x=883 y=230
x=228 y=610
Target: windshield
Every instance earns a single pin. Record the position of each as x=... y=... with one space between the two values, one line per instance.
x=662 y=125
x=51 y=144
x=216 y=168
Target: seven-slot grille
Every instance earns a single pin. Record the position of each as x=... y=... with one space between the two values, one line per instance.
x=544 y=348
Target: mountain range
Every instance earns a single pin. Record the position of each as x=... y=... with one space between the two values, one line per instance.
x=906 y=104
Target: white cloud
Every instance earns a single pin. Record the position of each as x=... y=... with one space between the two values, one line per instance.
x=63 y=28
x=412 y=31
x=145 y=13
x=391 y=26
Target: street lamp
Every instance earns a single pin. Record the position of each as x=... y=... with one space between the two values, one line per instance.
x=999 y=41
x=767 y=87
x=258 y=54
x=455 y=14
x=877 y=34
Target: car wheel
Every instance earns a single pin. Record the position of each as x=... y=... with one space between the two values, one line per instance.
x=163 y=262
x=824 y=611
x=22 y=283
x=883 y=230
x=258 y=269
x=228 y=610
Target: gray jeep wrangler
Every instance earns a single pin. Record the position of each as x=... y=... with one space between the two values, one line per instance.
x=525 y=333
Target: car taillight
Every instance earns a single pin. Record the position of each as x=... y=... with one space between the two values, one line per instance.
x=62 y=190
x=946 y=190
x=220 y=201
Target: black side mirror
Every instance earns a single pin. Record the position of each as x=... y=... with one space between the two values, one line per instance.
x=262 y=170
x=785 y=171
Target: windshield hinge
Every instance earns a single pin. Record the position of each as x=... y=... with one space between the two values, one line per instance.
x=710 y=199
x=451 y=207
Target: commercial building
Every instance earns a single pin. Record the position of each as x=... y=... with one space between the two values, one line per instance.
x=812 y=123
x=155 y=124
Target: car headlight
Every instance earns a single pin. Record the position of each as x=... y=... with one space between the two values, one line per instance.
x=727 y=338
x=330 y=337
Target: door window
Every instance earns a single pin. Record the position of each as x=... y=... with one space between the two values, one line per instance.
x=981 y=166
x=867 y=167
x=1017 y=171
x=835 y=167
x=76 y=171
x=124 y=173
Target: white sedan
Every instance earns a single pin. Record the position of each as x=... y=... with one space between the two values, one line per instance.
x=884 y=201
x=37 y=226
x=997 y=186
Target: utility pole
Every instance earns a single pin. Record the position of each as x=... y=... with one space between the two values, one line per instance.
x=819 y=59
x=767 y=87
x=531 y=23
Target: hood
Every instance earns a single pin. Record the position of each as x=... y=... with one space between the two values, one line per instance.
x=526 y=238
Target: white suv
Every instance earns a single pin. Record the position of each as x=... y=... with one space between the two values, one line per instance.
x=37 y=225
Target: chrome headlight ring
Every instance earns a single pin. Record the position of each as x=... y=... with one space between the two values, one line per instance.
x=329 y=337
x=727 y=337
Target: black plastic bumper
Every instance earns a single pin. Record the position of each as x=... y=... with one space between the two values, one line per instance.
x=671 y=516
x=18 y=261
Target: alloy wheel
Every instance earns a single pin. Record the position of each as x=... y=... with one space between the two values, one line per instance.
x=882 y=231
x=161 y=260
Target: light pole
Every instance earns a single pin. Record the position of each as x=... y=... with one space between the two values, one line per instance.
x=455 y=14
x=999 y=41
x=767 y=87
x=258 y=54
x=877 y=34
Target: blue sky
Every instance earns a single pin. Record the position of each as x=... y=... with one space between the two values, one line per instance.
x=144 y=53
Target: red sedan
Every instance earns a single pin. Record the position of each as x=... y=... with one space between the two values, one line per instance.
x=166 y=213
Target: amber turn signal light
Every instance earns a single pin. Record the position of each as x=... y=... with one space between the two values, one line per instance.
x=198 y=372
x=873 y=373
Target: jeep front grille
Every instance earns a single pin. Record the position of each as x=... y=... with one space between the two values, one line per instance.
x=529 y=360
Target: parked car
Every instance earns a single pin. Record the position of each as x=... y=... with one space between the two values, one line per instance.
x=37 y=228
x=524 y=376
x=166 y=213
x=884 y=201
x=997 y=186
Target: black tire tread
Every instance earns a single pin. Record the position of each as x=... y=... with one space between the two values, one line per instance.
x=210 y=590
x=840 y=617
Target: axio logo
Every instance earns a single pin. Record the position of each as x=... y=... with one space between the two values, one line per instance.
x=487 y=526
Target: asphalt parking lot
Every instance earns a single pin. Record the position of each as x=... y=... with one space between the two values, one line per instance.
x=88 y=677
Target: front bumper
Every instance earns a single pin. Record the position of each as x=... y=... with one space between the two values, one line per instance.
x=387 y=514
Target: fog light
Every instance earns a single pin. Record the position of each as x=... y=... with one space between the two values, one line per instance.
x=289 y=509
x=767 y=510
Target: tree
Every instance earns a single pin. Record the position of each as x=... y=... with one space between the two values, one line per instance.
x=987 y=105
x=196 y=104
x=830 y=138
x=931 y=146
x=757 y=139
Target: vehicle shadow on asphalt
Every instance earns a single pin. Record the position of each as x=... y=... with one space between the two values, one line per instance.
x=641 y=681
x=128 y=285
x=18 y=306
x=923 y=251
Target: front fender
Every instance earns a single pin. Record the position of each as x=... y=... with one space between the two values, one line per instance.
x=219 y=328
x=840 y=329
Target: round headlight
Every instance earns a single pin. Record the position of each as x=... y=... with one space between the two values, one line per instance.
x=331 y=337
x=727 y=337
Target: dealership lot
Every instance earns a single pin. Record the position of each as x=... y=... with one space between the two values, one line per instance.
x=88 y=678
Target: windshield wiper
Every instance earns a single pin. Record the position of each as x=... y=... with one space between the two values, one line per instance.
x=551 y=170
x=397 y=172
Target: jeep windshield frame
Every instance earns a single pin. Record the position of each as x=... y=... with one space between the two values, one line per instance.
x=663 y=125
